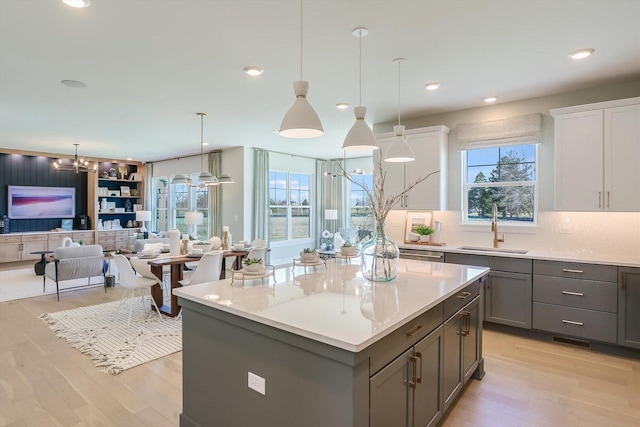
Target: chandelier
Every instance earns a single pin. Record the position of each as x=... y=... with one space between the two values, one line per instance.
x=76 y=164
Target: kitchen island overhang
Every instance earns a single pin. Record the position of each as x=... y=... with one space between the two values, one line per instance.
x=316 y=339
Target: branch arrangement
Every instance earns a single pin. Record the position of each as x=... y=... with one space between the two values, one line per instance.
x=375 y=195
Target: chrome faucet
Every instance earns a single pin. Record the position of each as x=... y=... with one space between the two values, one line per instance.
x=494 y=226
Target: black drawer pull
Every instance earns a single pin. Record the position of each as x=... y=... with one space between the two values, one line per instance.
x=464 y=295
x=577 y=294
x=571 y=322
x=414 y=330
x=568 y=270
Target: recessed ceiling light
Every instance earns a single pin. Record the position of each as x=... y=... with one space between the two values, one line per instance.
x=129 y=158
x=581 y=53
x=77 y=3
x=205 y=143
x=253 y=71
x=432 y=86
x=342 y=105
x=74 y=84
x=490 y=99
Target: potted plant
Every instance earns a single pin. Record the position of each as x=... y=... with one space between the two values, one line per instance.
x=347 y=248
x=424 y=231
x=253 y=265
x=309 y=255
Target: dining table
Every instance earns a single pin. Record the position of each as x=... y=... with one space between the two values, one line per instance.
x=176 y=264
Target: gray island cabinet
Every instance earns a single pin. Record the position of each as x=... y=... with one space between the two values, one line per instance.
x=328 y=348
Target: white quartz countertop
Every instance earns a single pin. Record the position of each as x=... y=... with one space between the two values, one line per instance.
x=628 y=260
x=335 y=305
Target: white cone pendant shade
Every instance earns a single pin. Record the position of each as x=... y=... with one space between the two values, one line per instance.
x=301 y=121
x=205 y=178
x=400 y=150
x=225 y=179
x=180 y=179
x=360 y=137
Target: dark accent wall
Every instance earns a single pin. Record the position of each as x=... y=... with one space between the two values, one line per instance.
x=18 y=169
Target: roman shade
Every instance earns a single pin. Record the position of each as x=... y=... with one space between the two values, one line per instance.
x=517 y=130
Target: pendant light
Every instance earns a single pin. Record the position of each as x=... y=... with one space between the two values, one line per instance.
x=205 y=178
x=400 y=150
x=360 y=137
x=301 y=121
x=76 y=165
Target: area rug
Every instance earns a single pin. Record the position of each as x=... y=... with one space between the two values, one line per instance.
x=113 y=345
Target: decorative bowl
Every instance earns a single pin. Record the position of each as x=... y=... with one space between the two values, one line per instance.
x=254 y=268
x=348 y=250
x=309 y=256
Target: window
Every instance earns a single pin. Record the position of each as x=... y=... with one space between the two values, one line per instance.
x=360 y=214
x=506 y=176
x=182 y=198
x=290 y=210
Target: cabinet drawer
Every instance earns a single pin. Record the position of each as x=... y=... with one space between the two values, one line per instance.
x=578 y=322
x=122 y=233
x=58 y=236
x=388 y=348
x=9 y=239
x=103 y=234
x=511 y=265
x=457 y=301
x=576 y=270
x=83 y=235
x=34 y=238
x=589 y=294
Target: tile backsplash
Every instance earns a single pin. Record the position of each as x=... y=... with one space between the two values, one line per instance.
x=582 y=234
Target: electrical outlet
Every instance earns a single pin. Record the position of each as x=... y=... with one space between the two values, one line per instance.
x=257 y=383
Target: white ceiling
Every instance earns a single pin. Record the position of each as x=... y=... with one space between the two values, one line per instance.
x=151 y=65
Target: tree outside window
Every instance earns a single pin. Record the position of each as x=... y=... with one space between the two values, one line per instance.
x=503 y=175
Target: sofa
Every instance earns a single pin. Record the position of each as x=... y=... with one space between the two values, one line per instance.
x=137 y=245
x=75 y=262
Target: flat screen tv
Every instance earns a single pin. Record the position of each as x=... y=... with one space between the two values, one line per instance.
x=41 y=202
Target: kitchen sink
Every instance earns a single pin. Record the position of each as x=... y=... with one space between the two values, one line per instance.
x=482 y=249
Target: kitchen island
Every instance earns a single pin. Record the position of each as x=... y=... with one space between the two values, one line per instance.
x=329 y=348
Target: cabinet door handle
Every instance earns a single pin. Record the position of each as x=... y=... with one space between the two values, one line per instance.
x=464 y=295
x=413 y=379
x=599 y=199
x=571 y=322
x=467 y=323
x=607 y=199
x=414 y=330
x=622 y=280
x=577 y=294
x=419 y=377
x=568 y=270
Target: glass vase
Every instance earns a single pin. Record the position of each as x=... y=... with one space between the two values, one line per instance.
x=379 y=256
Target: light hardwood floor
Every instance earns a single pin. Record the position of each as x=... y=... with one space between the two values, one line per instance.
x=45 y=382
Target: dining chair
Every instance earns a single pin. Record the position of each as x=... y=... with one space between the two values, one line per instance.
x=132 y=283
x=208 y=269
x=258 y=253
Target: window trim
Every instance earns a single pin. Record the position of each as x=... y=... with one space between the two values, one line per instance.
x=506 y=225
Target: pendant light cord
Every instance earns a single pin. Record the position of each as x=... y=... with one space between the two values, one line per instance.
x=301 y=42
x=201 y=140
x=398 y=92
x=360 y=66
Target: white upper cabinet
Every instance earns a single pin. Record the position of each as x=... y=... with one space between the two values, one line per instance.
x=597 y=154
x=430 y=148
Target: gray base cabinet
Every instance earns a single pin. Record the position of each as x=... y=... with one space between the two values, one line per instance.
x=461 y=350
x=629 y=307
x=508 y=299
x=408 y=391
x=575 y=299
x=508 y=288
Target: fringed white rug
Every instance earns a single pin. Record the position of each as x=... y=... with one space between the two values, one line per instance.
x=112 y=344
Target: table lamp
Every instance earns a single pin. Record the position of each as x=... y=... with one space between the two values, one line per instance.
x=193 y=218
x=143 y=216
